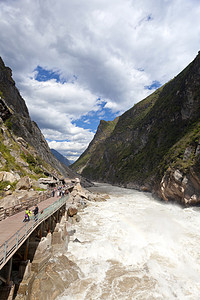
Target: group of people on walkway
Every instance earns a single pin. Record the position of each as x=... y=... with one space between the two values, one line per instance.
x=60 y=191
x=28 y=213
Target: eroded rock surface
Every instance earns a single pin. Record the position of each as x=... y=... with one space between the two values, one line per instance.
x=180 y=188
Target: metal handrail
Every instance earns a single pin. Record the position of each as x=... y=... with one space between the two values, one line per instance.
x=15 y=241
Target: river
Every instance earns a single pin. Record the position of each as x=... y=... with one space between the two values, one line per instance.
x=134 y=247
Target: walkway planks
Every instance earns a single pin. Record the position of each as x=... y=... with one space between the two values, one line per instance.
x=10 y=225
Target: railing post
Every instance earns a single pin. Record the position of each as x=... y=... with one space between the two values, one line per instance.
x=5 y=250
x=17 y=239
x=26 y=229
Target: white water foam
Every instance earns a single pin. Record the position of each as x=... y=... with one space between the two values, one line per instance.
x=134 y=247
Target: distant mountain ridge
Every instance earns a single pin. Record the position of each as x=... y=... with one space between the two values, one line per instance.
x=155 y=145
x=60 y=157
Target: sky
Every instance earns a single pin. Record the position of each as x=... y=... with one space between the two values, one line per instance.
x=76 y=62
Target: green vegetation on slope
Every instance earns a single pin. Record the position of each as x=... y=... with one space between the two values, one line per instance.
x=104 y=131
x=11 y=154
x=178 y=157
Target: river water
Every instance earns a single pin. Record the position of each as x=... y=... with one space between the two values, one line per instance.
x=134 y=247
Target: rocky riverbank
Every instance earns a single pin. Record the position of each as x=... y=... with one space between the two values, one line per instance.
x=46 y=277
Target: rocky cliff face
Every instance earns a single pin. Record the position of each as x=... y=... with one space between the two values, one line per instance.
x=155 y=145
x=10 y=93
x=20 y=133
x=103 y=132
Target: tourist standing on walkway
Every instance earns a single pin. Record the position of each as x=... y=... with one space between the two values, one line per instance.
x=29 y=214
x=35 y=211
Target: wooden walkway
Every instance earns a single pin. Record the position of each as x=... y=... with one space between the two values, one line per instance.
x=10 y=225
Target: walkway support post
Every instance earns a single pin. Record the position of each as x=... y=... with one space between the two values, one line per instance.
x=26 y=249
x=9 y=270
x=41 y=230
x=49 y=223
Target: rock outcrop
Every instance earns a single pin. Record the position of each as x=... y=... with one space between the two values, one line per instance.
x=10 y=93
x=181 y=188
x=9 y=176
x=24 y=183
x=53 y=279
x=18 y=197
x=72 y=211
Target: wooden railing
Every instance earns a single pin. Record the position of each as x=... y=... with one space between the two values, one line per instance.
x=9 y=247
x=10 y=211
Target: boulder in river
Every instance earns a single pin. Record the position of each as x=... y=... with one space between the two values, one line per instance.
x=72 y=211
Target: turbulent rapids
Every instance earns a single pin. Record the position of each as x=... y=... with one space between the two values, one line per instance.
x=133 y=247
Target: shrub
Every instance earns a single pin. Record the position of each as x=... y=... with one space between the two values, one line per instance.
x=9 y=124
x=37 y=170
x=4 y=184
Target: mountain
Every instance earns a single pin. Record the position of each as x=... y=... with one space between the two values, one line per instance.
x=60 y=157
x=155 y=145
x=104 y=130
x=23 y=148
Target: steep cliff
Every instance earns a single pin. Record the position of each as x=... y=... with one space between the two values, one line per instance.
x=23 y=148
x=103 y=132
x=155 y=145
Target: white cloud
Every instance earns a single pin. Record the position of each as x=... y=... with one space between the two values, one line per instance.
x=72 y=150
x=55 y=105
x=66 y=98
x=115 y=48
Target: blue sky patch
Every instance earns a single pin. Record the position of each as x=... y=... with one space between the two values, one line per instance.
x=66 y=140
x=45 y=75
x=155 y=85
x=92 y=119
x=149 y=18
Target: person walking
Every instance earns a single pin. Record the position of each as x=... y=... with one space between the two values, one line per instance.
x=26 y=218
